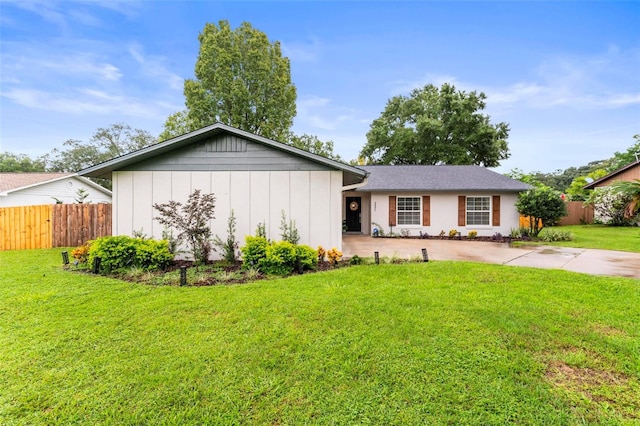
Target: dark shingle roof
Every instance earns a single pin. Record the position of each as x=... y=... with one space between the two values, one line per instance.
x=438 y=178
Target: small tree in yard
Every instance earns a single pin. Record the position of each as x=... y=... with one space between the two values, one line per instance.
x=191 y=222
x=543 y=206
x=229 y=247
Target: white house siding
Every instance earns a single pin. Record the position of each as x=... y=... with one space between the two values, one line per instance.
x=65 y=190
x=444 y=214
x=311 y=198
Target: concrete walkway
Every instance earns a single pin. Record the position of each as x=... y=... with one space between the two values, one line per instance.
x=589 y=261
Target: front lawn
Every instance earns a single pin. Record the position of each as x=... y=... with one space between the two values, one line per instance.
x=438 y=342
x=624 y=238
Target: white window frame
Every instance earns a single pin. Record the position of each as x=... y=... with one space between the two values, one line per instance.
x=413 y=212
x=479 y=210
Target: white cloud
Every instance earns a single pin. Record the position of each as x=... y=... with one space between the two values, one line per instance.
x=154 y=67
x=299 y=51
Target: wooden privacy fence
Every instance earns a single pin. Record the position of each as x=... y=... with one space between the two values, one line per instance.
x=577 y=214
x=56 y=225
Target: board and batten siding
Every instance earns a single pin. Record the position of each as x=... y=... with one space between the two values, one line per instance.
x=310 y=197
x=443 y=213
x=226 y=153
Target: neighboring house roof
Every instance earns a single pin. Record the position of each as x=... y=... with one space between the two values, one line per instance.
x=11 y=182
x=104 y=170
x=613 y=175
x=438 y=178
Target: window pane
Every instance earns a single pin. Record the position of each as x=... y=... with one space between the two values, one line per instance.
x=409 y=211
x=478 y=210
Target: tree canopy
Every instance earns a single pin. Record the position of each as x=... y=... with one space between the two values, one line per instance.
x=314 y=145
x=436 y=126
x=242 y=80
x=105 y=144
x=20 y=163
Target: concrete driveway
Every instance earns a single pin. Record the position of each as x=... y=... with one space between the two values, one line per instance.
x=589 y=261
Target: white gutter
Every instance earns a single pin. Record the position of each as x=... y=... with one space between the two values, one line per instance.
x=356 y=185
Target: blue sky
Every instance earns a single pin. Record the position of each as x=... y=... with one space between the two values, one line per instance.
x=564 y=75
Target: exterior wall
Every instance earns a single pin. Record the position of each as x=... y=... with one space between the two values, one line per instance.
x=365 y=218
x=627 y=175
x=64 y=190
x=311 y=198
x=444 y=214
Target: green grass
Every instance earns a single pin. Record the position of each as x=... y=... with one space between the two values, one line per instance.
x=434 y=343
x=623 y=238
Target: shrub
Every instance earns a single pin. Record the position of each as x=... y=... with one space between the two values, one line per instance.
x=543 y=206
x=254 y=250
x=609 y=206
x=81 y=253
x=289 y=230
x=321 y=254
x=334 y=256
x=229 y=247
x=307 y=257
x=453 y=233
x=472 y=234
x=550 y=235
x=261 y=230
x=355 y=260
x=405 y=233
x=122 y=252
x=280 y=259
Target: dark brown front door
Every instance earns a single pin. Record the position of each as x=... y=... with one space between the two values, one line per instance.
x=354 y=207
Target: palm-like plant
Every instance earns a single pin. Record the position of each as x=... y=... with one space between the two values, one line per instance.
x=632 y=189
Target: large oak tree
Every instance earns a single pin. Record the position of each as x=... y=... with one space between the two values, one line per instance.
x=436 y=126
x=242 y=80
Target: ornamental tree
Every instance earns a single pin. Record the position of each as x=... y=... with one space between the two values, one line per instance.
x=543 y=206
x=436 y=126
x=191 y=220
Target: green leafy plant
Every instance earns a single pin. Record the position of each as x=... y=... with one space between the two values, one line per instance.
x=551 y=235
x=280 y=258
x=122 y=252
x=228 y=247
x=453 y=233
x=355 y=260
x=254 y=250
x=307 y=257
x=289 y=230
x=261 y=230
x=191 y=220
x=472 y=234
x=543 y=206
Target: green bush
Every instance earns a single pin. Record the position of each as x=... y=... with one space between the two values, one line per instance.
x=121 y=252
x=307 y=256
x=280 y=259
x=254 y=250
x=550 y=235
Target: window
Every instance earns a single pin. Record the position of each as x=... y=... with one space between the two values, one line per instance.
x=409 y=211
x=478 y=210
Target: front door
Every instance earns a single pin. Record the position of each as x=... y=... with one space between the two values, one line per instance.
x=354 y=207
